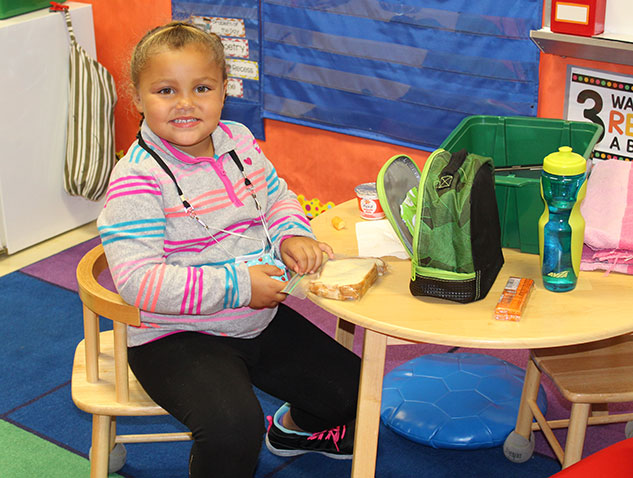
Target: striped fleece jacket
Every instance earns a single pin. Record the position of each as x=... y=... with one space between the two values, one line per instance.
x=165 y=263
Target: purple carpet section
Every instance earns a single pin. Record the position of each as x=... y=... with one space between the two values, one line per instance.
x=60 y=270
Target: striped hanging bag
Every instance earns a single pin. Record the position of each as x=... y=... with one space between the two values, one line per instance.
x=90 y=150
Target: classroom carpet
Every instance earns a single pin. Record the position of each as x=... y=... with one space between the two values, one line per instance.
x=42 y=433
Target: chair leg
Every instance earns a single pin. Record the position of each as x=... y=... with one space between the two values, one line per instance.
x=576 y=433
x=599 y=409
x=530 y=393
x=112 y=433
x=101 y=426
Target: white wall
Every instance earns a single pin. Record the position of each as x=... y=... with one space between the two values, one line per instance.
x=619 y=20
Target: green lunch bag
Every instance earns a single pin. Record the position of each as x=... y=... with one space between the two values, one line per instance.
x=447 y=219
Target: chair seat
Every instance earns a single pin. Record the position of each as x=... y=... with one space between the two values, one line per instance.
x=598 y=372
x=99 y=398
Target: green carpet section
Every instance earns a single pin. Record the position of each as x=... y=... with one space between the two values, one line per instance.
x=27 y=455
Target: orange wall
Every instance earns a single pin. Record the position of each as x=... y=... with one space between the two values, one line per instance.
x=324 y=165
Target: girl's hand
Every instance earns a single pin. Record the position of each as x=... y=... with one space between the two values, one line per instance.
x=304 y=255
x=265 y=291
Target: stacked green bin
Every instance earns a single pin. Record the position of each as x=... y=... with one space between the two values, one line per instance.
x=11 y=8
x=520 y=141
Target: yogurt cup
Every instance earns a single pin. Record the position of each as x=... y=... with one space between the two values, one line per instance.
x=368 y=202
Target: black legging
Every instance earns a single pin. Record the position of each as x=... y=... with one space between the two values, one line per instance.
x=206 y=381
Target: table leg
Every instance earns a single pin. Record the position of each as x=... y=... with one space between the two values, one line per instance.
x=369 y=398
x=345 y=333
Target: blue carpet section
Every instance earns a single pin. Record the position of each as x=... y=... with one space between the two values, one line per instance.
x=40 y=325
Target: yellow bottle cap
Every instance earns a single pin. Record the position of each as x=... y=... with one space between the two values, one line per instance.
x=564 y=162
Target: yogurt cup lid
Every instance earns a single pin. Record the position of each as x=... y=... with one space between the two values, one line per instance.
x=366 y=190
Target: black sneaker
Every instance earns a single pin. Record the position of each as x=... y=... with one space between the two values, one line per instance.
x=335 y=443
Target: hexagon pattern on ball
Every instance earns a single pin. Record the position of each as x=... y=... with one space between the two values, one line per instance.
x=454 y=400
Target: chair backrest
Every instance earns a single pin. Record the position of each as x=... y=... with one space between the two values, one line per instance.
x=99 y=301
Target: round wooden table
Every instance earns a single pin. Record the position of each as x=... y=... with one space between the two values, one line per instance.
x=599 y=307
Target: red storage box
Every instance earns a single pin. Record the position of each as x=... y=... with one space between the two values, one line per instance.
x=578 y=17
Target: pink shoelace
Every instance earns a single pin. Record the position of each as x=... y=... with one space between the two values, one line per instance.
x=334 y=434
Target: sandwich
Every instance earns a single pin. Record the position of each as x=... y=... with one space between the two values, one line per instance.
x=347 y=278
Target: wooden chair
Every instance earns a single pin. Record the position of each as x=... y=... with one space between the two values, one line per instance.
x=102 y=383
x=590 y=376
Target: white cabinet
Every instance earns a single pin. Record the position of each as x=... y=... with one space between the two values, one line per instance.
x=33 y=111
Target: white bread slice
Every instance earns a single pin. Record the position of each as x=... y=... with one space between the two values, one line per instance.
x=347 y=278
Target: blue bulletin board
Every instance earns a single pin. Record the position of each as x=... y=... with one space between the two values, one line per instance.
x=237 y=22
x=401 y=71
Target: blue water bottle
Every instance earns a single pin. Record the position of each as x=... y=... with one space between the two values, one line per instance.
x=561 y=227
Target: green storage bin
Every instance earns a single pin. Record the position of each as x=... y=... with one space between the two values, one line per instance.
x=11 y=8
x=518 y=141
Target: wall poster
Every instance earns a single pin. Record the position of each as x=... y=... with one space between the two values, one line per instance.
x=606 y=99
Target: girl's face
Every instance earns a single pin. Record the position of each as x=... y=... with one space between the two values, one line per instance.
x=181 y=94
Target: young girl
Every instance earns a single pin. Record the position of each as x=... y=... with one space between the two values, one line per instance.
x=194 y=219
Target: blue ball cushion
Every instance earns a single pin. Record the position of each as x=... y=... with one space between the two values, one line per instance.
x=454 y=400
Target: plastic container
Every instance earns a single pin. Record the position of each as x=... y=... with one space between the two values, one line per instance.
x=368 y=202
x=11 y=8
x=515 y=142
x=561 y=227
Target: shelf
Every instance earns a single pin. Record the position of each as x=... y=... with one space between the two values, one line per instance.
x=587 y=48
